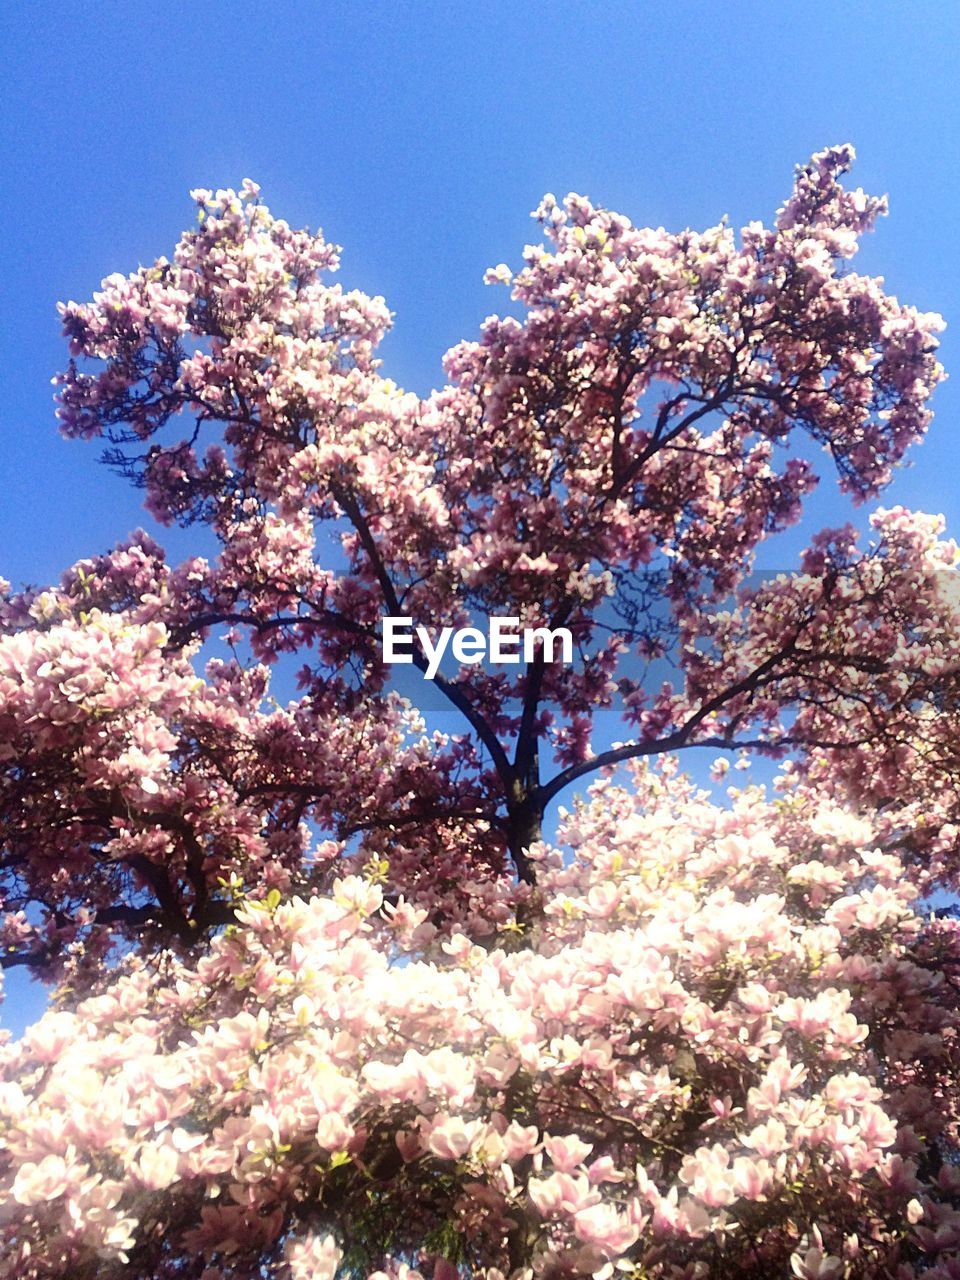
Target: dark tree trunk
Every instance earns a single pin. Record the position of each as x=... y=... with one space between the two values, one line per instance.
x=524 y=825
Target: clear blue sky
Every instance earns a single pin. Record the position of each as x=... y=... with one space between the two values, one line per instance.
x=419 y=136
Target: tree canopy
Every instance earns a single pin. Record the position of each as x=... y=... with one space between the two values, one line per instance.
x=324 y=999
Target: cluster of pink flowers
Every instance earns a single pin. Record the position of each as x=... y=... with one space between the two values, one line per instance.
x=636 y=413
x=129 y=774
x=727 y=1024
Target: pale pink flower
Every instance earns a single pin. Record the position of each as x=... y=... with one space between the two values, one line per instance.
x=566 y=1152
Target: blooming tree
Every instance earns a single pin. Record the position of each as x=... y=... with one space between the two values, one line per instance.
x=324 y=999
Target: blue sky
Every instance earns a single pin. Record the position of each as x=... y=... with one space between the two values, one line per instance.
x=419 y=136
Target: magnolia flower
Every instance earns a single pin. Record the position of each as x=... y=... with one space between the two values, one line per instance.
x=312 y=1257
x=45 y=1180
x=602 y=1226
x=813 y=1263
x=566 y=1153
x=156 y=1166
